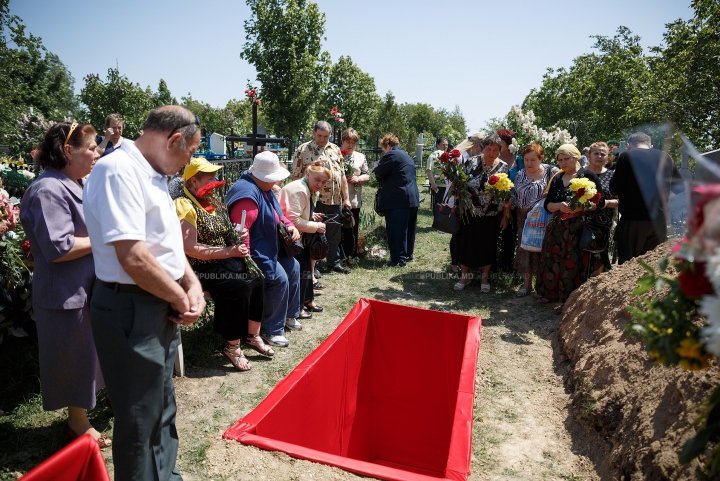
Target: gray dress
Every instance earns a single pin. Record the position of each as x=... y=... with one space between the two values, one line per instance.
x=51 y=213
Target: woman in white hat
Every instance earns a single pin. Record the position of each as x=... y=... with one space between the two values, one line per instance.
x=253 y=194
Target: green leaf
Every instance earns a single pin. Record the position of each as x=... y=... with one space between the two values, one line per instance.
x=663 y=264
x=646 y=267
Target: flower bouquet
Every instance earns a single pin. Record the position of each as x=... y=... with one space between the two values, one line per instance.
x=348 y=166
x=583 y=194
x=207 y=193
x=454 y=173
x=498 y=186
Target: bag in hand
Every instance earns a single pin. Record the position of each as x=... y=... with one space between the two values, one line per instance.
x=316 y=244
x=445 y=219
x=288 y=246
x=596 y=233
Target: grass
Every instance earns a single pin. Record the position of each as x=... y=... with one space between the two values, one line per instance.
x=28 y=435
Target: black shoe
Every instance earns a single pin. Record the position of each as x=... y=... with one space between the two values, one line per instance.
x=341 y=270
x=314 y=308
x=318 y=274
x=304 y=314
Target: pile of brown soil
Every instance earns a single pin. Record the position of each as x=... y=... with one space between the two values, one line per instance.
x=643 y=410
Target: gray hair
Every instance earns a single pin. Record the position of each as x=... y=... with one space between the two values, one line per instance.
x=322 y=125
x=493 y=139
x=173 y=118
x=639 y=138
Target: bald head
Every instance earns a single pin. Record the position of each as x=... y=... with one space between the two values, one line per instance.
x=170 y=119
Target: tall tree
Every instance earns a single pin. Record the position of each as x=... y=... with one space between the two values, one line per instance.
x=31 y=77
x=352 y=91
x=283 y=43
x=164 y=97
x=391 y=120
x=118 y=95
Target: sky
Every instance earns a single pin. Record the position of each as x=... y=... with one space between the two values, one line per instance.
x=481 y=56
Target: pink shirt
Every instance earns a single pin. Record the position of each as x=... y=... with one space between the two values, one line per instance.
x=251 y=213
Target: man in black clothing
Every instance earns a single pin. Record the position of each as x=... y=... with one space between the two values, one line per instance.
x=642 y=226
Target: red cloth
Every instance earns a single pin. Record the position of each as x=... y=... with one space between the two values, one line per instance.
x=81 y=460
x=373 y=405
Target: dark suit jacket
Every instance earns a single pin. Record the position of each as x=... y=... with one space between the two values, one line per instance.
x=396 y=174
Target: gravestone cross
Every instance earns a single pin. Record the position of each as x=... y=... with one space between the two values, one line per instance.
x=419 y=149
x=685 y=164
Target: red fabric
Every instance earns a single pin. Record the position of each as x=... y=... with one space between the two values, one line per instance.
x=81 y=460
x=374 y=400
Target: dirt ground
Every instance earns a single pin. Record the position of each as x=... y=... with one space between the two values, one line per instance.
x=523 y=426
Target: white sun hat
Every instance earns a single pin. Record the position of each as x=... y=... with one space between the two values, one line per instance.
x=266 y=167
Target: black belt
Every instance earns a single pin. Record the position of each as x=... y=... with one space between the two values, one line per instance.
x=117 y=287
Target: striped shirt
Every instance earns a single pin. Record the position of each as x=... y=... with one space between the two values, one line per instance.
x=528 y=192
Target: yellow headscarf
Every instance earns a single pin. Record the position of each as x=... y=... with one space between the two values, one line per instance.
x=571 y=151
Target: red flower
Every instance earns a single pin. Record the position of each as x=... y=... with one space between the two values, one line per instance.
x=707 y=193
x=333 y=111
x=695 y=284
x=493 y=179
x=444 y=157
x=257 y=102
x=569 y=263
x=344 y=152
x=455 y=153
x=580 y=192
x=595 y=198
x=207 y=189
x=340 y=120
x=26 y=249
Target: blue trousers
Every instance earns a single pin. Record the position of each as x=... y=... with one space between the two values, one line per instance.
x=401 y=225
x=282 y=296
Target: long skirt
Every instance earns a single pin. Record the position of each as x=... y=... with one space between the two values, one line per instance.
x=69 y=368
x=564 y=266
x=236 y=297
x=526 y=262
x=476 y=242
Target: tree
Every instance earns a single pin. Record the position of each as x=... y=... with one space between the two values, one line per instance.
x=591 y=98
x=283 y=43
x=164 y=97
x=352 y=91
x=390 y=120
x=116 y=95
x=31 y=77
x=682 y=82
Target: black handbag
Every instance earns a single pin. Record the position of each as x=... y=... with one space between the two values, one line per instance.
x=596 y=233
x=376 y=205
x=445 y=219
x=288 y=246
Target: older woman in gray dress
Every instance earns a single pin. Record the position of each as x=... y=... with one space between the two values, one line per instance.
x=51 y=213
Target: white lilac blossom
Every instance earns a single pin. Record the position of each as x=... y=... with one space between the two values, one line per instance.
x=27 y=174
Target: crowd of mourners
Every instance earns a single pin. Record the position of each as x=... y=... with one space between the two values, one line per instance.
x=126 y=255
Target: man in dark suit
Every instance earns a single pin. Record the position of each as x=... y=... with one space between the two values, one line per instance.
x=642 y=226
x=398 y=199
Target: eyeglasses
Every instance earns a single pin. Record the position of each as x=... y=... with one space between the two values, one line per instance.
x=197 y=122
x=72 y=129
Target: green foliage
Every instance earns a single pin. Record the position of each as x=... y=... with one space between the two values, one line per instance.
x=119 y=95
x=15 y=182
x=352 y=91
x=283 y=43
x=667 y=323
x=213 y=119
x=31 y=77
x=709 y=419
x=28 y=134
x=164 y=97
x=391 y=120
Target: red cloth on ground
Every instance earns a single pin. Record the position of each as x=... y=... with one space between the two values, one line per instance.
x=81 y=460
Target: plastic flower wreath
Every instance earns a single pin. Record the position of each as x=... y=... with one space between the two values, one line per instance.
x=208 y=194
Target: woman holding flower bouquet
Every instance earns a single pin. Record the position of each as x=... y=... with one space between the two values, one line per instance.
x=572 y=191
x=357 y=174
x=52 y=215
x=489 y=187
x=214 y=251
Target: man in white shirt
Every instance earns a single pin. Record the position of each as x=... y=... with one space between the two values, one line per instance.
x=145 y=289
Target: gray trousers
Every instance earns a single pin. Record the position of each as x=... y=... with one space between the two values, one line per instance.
x=136 y=345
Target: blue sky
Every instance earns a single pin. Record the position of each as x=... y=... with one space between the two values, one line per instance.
x=483 y=56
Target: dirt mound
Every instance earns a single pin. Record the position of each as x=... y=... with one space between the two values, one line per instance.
x=643 y=410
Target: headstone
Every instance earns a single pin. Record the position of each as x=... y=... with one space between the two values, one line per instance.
x=419 y=150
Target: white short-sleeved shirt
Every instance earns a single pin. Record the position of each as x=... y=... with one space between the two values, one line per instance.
x=124 y=198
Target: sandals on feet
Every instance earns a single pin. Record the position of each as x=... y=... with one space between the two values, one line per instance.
x=522 y=292
x=103 y=441
x=459 y=286
x=231 y=352
x=254 y=341
x=317 y=286
x=485 y=288
x=542 y=300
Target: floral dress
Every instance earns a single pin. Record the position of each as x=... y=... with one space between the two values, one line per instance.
x=476 y=243
x=564 y=266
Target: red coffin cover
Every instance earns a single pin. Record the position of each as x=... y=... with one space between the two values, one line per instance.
x=389 y=394
x=81 y=460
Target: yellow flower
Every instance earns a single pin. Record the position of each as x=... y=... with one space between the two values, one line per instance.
x=657 y=358
x=690 y=348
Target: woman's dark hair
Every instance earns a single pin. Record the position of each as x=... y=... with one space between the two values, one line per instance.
x=493 y=139
x=52 y=153
x=506 y=135
x=440 y=140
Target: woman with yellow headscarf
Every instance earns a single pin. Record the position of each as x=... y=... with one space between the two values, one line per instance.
x=563 y=264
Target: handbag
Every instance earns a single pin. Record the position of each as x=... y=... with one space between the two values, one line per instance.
x=288 y=246
x=376 y=205
x=533 y=231
x=445 y=218
x=596 y=232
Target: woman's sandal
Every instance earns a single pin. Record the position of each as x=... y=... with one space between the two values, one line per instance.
x=254 y=341
x=230 y=351
x=103 y=441
x=485 y=288
x=459 y=286
x=522 y=292
x=318 y=286
x=314 y=308
x=542 y=300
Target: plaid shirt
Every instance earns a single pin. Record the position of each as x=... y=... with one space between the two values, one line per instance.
x=331 y=156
